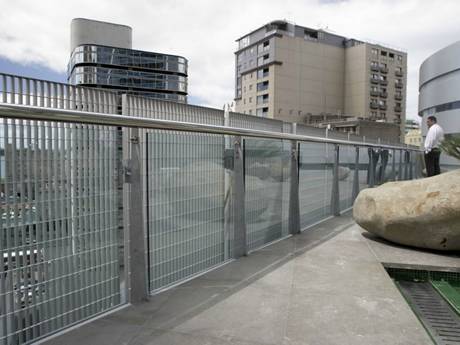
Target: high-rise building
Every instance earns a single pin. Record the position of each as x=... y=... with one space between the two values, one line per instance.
x=439 y=83
x=102 y=56
x=289 y=72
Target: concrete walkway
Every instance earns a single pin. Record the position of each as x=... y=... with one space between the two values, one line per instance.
x=325 y=286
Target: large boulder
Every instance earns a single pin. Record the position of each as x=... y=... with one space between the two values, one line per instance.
x=423 y=213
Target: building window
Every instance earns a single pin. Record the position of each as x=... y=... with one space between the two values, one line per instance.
x=250 y=87
x=244 y=100
x=262 y=86
x=399 y=57
x=383 y=115
x=374 y=64
x=262 y=99
x=310 y=35
x=250 y=99
x=263 y=112
x=250 y=111
x=383 y=53
x=391 y=56
x=262 y=73
x=374 y=51
x=244 y=42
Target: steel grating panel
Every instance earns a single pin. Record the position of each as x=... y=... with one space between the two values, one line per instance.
x=185 y=205
x=59 y=240
x=315 y=182
x=267 y=177
x=346 y=167
x=435 y=314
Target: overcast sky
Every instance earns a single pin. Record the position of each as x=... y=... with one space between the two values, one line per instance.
x=36 y=34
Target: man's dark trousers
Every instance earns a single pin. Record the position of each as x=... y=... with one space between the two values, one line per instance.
x=432 y=162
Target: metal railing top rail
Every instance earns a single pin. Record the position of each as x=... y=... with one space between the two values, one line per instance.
x=26 y=112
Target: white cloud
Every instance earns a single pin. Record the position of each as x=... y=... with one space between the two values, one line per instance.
x=204 y=31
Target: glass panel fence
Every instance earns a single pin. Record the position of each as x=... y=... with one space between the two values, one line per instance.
x=185 y=205
x=315 y=182
x=346 y=173
x=267 y=182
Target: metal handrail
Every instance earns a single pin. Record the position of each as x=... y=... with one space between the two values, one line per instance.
x=26 y=112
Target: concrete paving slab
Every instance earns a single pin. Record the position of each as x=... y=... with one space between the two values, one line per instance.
x=391 y=253
x=324 y=286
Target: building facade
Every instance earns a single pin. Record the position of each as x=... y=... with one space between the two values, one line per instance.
x=293 y=73
x=414 y=137
x=439 y=83
x=102 y=56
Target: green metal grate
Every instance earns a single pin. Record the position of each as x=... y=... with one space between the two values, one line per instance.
x=450 y=291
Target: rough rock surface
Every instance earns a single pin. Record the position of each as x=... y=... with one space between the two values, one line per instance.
x=423 y=213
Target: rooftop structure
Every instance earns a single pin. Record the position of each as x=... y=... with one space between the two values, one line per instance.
x=102 y=57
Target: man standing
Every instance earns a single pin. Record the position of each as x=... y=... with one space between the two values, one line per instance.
x=432 y=152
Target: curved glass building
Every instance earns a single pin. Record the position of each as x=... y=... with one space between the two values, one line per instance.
x=118 y=67
x=438 y=93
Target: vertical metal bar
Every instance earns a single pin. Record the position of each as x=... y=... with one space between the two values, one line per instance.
x=393 y=165
x=335 y=194
x=138 y=291
x=411 y=165
x=294 y=201
x=239 y=223
x=4 y=89
x=355 y=190
x=400 y=171
x=406 y=165
x=371 y=172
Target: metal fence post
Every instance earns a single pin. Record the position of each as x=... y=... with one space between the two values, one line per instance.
x=335 y=197
x=355 y=190
x=239 y=221
x=406 y=165
x=393 y=166
x=294 y=210
x=371 y=172
x=137 y=247
x=411 y=165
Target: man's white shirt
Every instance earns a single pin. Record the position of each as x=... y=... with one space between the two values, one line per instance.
x=434 y=137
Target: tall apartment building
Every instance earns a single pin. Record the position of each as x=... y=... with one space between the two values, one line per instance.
x=290 y=72
x=102 y=56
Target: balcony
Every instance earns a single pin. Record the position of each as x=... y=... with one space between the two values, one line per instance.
x=384 y=70
x=397 y=109
x=374 y=80
x=374 y=93
x=399 y=73
x=199 y=272
x=382 y=107
x=383 y=94
x=375 y=68
x=399 y=85
x=398 y=97
x=383 y=82
x=373 y=105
